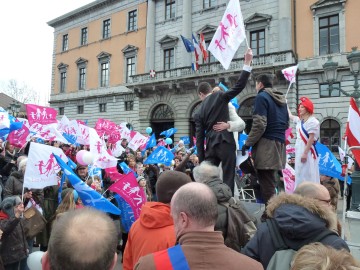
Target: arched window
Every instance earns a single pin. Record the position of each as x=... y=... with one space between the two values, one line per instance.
x=162 y=112
x=330 y=134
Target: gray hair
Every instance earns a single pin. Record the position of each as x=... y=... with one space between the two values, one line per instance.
x=199 y=203
x=22 y=165
x=205 y=172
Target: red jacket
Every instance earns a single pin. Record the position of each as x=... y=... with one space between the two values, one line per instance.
x=153 y=231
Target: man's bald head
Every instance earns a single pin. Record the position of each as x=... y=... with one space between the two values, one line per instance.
x=314 y=191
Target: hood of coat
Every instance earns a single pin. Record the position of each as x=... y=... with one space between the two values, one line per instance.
x=299 y=217
x=222 y=191
x=18 y=175
x=155 y=215
x=277 y=96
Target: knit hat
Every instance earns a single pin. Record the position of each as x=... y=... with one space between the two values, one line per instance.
x=7 y=205
x=306 y=102
x=140 y=178
x=168 y=183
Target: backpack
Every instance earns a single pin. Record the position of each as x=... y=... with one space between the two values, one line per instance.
x=241 y=227
x=282 y=258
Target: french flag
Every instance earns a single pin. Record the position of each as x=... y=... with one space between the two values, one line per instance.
x=353 y=128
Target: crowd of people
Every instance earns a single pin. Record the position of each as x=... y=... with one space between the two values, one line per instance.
x=192 y=217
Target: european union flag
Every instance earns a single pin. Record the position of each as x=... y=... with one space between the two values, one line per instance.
x=188 y=44
x=234 y=101
x=328 y=164
x=169 y=132
x=151 y=142
x=160 y=155
x=88 y=196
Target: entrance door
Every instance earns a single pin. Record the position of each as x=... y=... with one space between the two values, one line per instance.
x=162 y=118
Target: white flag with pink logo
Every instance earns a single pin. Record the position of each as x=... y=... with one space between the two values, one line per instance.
x=229 y=34
x=40 y=114
x=102 y=159
x=42 y=168
x=289 y=178
x=290 y=73
x=137 y=141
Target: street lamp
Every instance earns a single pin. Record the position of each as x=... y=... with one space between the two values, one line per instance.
x=14 y=108
x=330 y=70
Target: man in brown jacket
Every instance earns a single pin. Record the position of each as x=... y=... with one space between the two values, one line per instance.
x=194 y=210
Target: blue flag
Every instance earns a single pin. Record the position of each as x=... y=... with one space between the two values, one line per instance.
x=61 y=187
x=88 y=196
x=328 y=164
x=95 y=171
x=151 y=142
x=188 y=44
x=4 y=132
x=70 y=138
x=242 y=138
x=125 y=168
x=72 y=164
x=234 y=101
x=185 y=139
x=160 y=155
x=169 y=132
x=127 y=217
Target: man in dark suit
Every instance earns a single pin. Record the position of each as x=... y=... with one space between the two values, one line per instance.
x=220 y=146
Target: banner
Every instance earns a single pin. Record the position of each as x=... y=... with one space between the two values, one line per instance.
x=42 y=168
x=137 y=141
x=40 y=114
x=102 y=158
x=160 y=155
x=19 y=137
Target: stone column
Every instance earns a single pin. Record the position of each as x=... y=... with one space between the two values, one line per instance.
x=284 y=25
x=186 y=32
x=150 y=36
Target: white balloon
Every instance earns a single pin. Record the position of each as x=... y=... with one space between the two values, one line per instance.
x=88 y=158
x=34 y=260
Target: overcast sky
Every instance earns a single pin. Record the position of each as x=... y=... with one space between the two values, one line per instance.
x=26 y=42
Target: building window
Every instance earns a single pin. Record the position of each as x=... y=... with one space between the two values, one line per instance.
x=330 y=134
x=84 y=36
x=80 y=109
x=82 y=78
x=325 y=91
x=169 y=9
x=132 y=20
x=209 y=3
x=106 y=28
x=130 y=67
x=62 y=82
x=211 y=58
x=61 y=110
x=65 y=43
x=257 y=39
x=102 y=107
x=129 y=105
x=329 y=35
x=104 y=78
x=169 y=59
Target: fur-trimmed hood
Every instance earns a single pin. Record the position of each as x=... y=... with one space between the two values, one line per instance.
x=298 y=216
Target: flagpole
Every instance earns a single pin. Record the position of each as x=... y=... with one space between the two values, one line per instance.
x=288 y=90
x=247 y=43
x=345 y=191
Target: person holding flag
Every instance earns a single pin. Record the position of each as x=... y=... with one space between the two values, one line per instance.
x=307 y=133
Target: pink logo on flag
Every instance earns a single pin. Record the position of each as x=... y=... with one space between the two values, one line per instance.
x=19 y=137
x=229 y=34
x=289 y=179
x=50 y=166
x=290 y=73
x=40 y=114
x=137 y=141
x=127 y=187
x=104 y=126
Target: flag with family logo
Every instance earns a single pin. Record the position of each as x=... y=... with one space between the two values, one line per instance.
x=19 y=137
x=328 y=164
x=229 y=34
x=102 y=158
x=290 y=74
x=289 y=178
x=160 y=155
x=89 y=197
x=137 y=140
x=40 y=114
x=127 y=217
x=127 y=187
x=169 y=132
x=151 y=142
x=42 y=168
x=185 y=139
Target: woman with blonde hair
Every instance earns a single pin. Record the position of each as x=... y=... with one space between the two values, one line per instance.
x=317 y=256
x=70 y=201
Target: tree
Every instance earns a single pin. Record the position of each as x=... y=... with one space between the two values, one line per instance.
x=21 y=93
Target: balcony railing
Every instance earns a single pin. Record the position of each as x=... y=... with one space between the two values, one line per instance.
x=263 y=61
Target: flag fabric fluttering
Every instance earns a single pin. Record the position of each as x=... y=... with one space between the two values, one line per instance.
x=342 y=157
x=127 y=217
x=169 y=132
x=40 y=114
x=203 y=47
x=229 y=34
x=41 y=168
x=88 y=196
x=19 y=137
x=290 y=74
x=188 y=44
x=352 y=133
x=197 y=49
x=160 y=155
x=151 y=142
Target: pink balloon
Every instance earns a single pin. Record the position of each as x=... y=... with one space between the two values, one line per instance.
x=79 y=157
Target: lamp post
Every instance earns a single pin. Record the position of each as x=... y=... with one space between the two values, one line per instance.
x=330 y=69
x=14 y=108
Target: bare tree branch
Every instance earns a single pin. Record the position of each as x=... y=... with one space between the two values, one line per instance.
x=23 y=93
